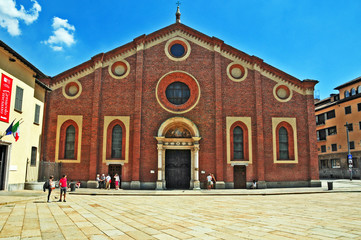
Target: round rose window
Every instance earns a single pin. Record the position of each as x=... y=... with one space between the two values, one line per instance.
x=177 y=93
x=177 y=50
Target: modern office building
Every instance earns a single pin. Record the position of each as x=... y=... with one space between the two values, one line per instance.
x=332 y=115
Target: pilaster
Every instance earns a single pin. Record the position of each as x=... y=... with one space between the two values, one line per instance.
x=96 y=105
x=219 y=110
x=259 y=159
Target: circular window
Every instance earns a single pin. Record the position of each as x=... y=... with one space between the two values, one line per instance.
x=177 y=93
x=72 y=90
x=119 y=69
x=282 y=93
x=236 y=72
x=177 y=49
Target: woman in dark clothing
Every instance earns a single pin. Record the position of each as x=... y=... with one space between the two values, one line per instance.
x=50 y=185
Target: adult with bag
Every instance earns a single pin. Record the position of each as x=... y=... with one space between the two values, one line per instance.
x=50 y=185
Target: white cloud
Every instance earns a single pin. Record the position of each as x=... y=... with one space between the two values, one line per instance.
x=10 y=15
x=63 y=34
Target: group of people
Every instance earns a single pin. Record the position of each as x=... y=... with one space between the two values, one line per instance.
x=50 y=186
x=105 y=181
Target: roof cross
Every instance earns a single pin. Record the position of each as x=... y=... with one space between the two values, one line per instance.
x=178 y=3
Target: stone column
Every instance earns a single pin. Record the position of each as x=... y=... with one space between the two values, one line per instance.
x=160 y=169
x=196 y=167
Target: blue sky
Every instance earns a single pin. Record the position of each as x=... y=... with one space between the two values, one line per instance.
x=308 y=39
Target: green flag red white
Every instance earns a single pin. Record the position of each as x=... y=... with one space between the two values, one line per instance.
x=15 y=130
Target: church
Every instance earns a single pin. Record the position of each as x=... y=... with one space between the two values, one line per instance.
x=168 y=108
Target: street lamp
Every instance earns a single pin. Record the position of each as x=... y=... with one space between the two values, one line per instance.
x=349 y=156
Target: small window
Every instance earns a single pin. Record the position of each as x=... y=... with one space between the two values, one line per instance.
x=331 y=131
x=334 y=147
x=359 y=89
x=320 y=119
x=359 y=107
x=323 y=148
x=19 y=99
x=324 y=164
x=350 y=127
x=335 y=163
x=348 y=110
x=352 y=145
x=359 y=125
x=321 y=135
x=347 y=94
x=34 y=151
x=331 y=114
x=353 y=91
x=37 y=114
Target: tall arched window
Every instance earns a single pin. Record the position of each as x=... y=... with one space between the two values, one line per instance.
x=283 y=143
x=238 y=143
x=69 y=152
x=117 y=141
x=359 y=89
x=347 y=93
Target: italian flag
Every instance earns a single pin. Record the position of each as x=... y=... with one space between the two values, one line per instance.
x=15 y=130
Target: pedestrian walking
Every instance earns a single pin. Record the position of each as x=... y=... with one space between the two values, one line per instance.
x=209 y=181
x=117 y=179
x=108 y=180
x=50 y=185
x=63 y=186
x=98 y=180
x=102 y=181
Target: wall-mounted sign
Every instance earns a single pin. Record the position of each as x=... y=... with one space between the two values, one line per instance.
x=5 y=97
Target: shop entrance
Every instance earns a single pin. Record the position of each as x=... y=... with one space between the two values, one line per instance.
x=177 y=169
x=3 y=164
x=239 y=177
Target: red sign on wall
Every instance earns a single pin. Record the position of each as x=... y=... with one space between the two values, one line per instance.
x=5 y=97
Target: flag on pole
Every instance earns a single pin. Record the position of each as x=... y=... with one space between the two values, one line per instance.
x=8 y=131
x=15 y=130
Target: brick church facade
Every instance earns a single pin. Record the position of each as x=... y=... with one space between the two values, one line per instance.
x=168 y=108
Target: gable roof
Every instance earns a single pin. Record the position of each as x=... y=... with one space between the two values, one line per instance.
x=179 y=29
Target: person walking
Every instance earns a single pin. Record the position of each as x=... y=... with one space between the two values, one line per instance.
x=99 y=181
x=63 y=186
x=50 y=185
x=117 y=179
x=209 y=181
x=102 y=181
x=108 y=180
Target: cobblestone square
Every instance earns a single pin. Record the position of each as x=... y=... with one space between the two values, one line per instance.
x=295 y=216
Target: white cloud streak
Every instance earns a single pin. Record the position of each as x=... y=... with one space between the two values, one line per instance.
x=10 y=15
x=63 y=34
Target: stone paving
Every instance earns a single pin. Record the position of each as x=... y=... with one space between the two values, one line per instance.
x=297 y=216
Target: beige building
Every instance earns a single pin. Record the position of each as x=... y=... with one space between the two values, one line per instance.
x=22 y=97
x=332 y=114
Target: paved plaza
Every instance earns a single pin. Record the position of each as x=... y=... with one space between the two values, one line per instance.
x=326 y=215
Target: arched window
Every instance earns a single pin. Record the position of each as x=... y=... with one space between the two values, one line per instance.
x=353 y=91
x=238 y=146
x=69 y=152
x=283 y=144
x=239 y=142
x=117 y=139
x=347 y=93
x=359 y=89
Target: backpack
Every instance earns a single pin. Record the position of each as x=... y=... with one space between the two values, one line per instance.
x=46 y=185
